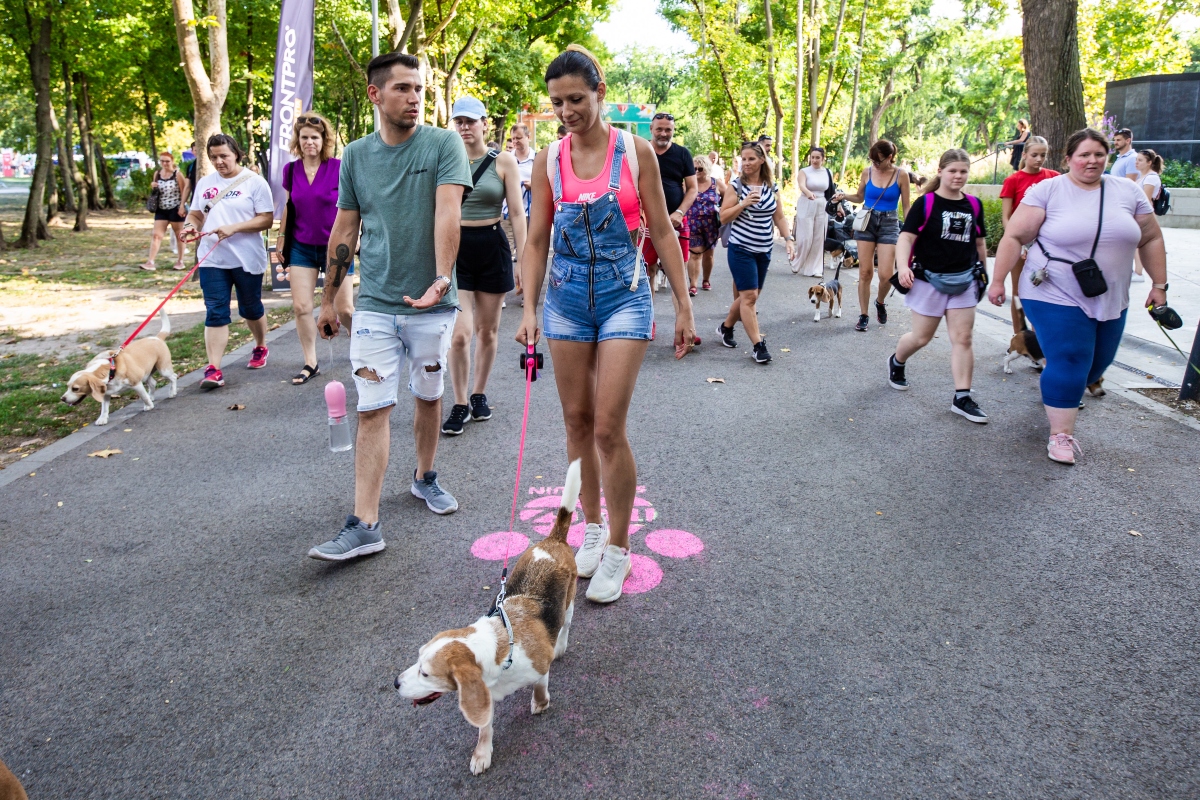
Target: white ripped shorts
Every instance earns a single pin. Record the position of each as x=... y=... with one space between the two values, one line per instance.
x=382 y=343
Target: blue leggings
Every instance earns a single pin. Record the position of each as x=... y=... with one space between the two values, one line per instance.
x=1078 y=349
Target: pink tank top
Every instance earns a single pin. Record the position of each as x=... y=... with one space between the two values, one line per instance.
x=575 y=190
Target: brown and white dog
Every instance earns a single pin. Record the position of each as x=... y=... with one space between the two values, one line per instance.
x=135 y=365
x=1025 y=344
x=827 y=292
x=10 y=787
x=472 y=660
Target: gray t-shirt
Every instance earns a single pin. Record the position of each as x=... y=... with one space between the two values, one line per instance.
x=395 y=191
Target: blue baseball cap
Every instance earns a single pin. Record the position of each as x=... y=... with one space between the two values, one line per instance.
x=468 y=107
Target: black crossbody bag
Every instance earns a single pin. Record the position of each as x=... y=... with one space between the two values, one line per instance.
x=1087 y=272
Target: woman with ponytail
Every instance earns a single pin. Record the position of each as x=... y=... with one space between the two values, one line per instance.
x=1011 y=194
x=1147 y=175
x=599 y=310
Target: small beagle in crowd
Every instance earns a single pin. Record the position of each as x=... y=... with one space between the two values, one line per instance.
x=827 y=292
x=478 y=662
x=134 y=367
x=1026 y=344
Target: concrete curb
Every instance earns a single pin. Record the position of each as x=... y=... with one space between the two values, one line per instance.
x=81 y=437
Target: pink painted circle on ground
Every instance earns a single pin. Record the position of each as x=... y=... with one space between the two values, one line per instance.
x=494 y=546
x=674 y=544
x=645 y=575
x=575 y=534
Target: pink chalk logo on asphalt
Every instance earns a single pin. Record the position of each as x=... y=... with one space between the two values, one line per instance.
x=540 y=512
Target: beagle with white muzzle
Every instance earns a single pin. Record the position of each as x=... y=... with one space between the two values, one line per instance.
x=477 y=661
x=106 y=375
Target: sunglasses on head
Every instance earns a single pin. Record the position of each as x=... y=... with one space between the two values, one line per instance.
x=664 y=116
x=301 y=120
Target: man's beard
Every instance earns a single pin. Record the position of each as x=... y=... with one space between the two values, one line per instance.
x=662 y=142
x=403 y=121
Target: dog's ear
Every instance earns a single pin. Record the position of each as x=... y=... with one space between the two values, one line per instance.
x=98 y=386
x=474 y=699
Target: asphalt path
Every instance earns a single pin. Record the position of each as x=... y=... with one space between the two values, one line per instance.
x=889 y=600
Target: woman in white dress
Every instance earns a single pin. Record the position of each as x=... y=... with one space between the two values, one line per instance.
x=816 y=188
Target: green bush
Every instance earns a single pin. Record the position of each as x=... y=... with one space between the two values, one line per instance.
x=136 y=188
x=993 y=220
x=1181 y=175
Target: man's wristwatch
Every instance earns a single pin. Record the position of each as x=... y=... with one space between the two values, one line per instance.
x=1163 y=286
x=443 y=278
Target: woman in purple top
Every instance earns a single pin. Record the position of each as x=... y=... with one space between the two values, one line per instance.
x=311 y=184
x=1075 y=218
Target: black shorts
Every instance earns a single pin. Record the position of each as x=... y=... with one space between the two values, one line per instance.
x=484 y=260
x=170 y=214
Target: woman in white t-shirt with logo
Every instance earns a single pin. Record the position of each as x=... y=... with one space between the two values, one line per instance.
x=1149 y=166
x=235 y=204
x=816 y=190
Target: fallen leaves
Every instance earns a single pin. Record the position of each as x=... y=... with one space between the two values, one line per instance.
x=104 y=453
x=1134 y=533
x=237 y=407
x=785 y=350
x=715 y=380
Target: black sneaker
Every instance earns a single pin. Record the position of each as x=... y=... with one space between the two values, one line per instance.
x=453 y=425
x=881 y=312
x=967 y=407
x=479 y=408
x=726 y=335
x=863 y=319
x=896 y=377
x=760 y=353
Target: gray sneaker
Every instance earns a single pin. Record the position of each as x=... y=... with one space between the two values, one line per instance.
x=438 y=499
x=355 y=539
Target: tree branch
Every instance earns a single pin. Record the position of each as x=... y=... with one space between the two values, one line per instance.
x=353 y=62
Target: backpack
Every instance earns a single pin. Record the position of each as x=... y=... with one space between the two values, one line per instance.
x=1162 y=203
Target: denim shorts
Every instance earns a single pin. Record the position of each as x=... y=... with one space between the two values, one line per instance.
x=748 y=267
x=583 y=308
x=884 y=228
x=309 y=255
x=382 y=343
x=218 y=285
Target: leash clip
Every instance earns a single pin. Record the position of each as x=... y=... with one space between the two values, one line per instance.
x=531 y=354
x=498 y=608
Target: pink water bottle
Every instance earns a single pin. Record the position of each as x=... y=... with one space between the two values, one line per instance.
x=339 y=426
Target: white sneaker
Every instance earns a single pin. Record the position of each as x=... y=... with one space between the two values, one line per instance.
x=1138 y=278
x=595 y=537
x=610 y=578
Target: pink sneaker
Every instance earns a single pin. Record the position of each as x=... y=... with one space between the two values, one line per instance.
x=212 y=378
x=1062 y=448
x=258 y=358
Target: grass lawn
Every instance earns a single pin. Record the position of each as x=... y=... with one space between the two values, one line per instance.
x=31 y=413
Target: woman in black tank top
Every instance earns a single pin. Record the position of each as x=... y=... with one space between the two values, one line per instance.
x=171 y=187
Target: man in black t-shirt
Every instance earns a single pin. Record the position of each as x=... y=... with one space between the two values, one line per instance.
x=678 y=174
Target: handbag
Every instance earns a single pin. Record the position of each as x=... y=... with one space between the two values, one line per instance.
x=289 y=227
x=152 y=199
x=1087 y=272
x=736 y=184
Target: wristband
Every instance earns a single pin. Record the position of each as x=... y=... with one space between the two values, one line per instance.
x=1163 y=286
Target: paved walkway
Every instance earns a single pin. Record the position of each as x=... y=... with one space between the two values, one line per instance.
x=841 y=591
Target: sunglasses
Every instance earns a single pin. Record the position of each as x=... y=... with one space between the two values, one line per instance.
x=304 y=119
x=664 y=116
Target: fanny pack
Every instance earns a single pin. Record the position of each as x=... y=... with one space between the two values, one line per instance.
x=1087 y=272
x=949 y=283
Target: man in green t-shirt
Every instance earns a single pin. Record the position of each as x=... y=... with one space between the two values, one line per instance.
x=403 y=186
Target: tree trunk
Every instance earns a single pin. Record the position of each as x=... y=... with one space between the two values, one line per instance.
x=52 y=179
x=250 y=157
x=64 y=168
x=775 y=104
x=799 y=88
x=89 y=152
x=814 y=67
x=149 y=109
x=826 y=104
x=885 y=102
x=453 y=71
x=98 y=164
x=208 y=93
x=68 y=165
x=1051 y=56
x=34 y=225
x=862 y=38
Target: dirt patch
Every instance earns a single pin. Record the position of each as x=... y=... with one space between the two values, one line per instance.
x=1170 y=398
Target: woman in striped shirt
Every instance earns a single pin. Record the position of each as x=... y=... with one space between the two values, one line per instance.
x=751 y=208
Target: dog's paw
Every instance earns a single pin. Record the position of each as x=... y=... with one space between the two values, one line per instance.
x=480 y=761
x=538 y=708
x=102 y=421
x=1007 y=369
x=174 y=391
x=147 y=406
x=838 y=314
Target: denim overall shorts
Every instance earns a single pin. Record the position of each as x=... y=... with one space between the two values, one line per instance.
x=592 y=294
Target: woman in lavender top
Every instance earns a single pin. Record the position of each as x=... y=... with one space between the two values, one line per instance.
x=312 y=187
x=1072 y=218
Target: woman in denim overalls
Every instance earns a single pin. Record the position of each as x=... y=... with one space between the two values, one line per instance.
x=599 y=308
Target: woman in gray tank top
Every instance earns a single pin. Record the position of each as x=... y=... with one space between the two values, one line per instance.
x=485 y=265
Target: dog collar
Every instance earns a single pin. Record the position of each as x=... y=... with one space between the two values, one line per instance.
x=112 y=367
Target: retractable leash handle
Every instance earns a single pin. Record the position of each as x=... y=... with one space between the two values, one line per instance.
x=531 y=354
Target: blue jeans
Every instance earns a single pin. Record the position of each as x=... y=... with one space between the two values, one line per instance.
x=749 y=268
x=597 y=288
x=1078 y=349
x=218 y=286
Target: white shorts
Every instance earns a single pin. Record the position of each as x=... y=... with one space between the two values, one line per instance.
x=382 y=342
